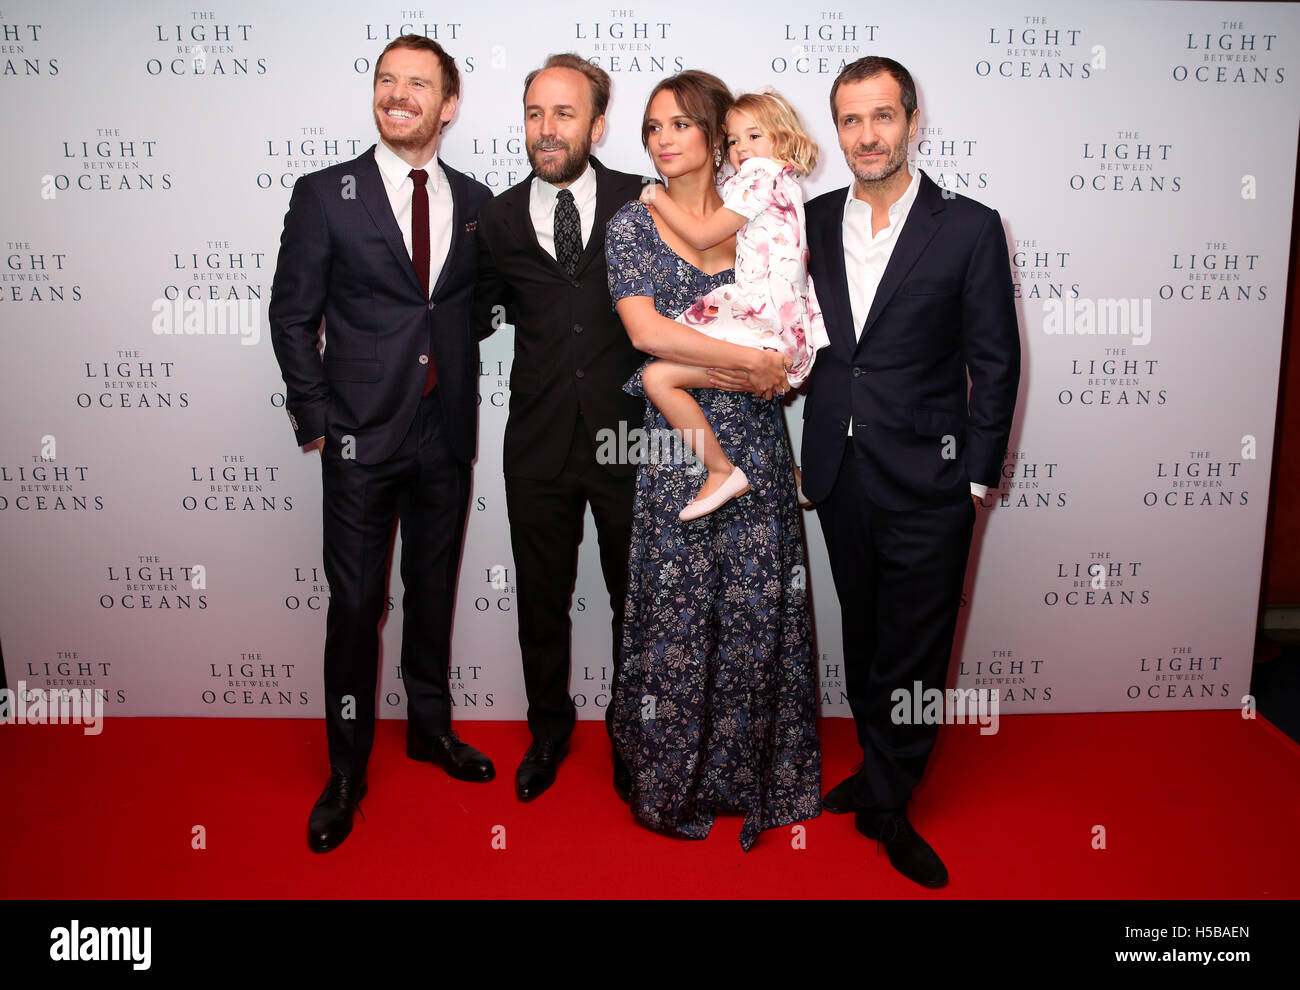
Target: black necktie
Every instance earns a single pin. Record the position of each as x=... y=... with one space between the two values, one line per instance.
x=420 y=252
x=568 y=232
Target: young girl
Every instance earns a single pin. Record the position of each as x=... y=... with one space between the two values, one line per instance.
x=772 y=304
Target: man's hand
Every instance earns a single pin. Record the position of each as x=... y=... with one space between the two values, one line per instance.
x=976 y=499
x=317 y=445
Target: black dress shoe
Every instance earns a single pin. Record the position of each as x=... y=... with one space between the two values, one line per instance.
x=331 y=818
x=537 y=771
x=622 y=781
x=459 y=759
x=910 y=854
x=839 y=799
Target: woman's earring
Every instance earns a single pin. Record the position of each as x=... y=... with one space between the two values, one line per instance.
x=717 y=158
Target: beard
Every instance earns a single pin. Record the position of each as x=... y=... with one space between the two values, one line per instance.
x=897 y=159
x=567 y=168
x=426 y=131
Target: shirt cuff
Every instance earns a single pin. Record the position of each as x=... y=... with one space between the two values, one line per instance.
x=979 y=491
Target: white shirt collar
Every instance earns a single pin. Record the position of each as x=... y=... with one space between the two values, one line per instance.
x=581 y=187
x=396 y=171
x=899 y=207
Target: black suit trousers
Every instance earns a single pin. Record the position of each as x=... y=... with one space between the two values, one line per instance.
x=898 y=576
x=427 y=489
x=546 y=519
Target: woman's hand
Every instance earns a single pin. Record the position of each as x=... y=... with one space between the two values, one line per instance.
x=764 y=375
x=648 y=193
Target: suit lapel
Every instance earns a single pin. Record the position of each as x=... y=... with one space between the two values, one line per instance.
x=920 y=226
x=605 y=207
x=521 y=222
x=456 y=183
x=839 y=324
x=374 y=197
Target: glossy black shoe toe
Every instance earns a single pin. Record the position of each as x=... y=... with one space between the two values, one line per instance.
x=331 y=817
x=537 y=770
x=839 y=799
x=458 y=759
x=909 y=854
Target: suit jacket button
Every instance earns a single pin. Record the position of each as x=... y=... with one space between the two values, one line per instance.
x=577 y=284
x=424 y=359
x=431 y=304
x=857 y=372
x=580 y=373
x=577 y=328
x=844 y=424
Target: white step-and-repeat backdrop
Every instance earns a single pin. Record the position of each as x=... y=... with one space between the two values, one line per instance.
x=160 y=530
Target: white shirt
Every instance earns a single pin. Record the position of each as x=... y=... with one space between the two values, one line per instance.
x=866 y=256
x=542 y=197
x=401 y=188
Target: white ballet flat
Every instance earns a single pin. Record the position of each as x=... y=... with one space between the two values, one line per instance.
x=735 y=485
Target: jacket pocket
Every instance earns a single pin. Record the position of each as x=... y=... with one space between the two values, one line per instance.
x=938 y=423
x=928 y=287
x=352 y=370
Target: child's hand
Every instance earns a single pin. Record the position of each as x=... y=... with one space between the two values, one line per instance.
x=648 y=193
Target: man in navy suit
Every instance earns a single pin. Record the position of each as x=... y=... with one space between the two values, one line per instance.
x=915 y=288
x=383 y=248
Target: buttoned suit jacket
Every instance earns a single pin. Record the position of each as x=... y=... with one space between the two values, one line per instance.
x=342 y=259
x=571 y=350
x=944 y=310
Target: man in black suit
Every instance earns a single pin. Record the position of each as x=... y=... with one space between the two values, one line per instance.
x=384 y=248
x=915 y=287
x=543 y=269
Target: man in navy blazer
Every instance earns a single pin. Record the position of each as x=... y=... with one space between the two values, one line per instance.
x=915 y=288
x=384 y=249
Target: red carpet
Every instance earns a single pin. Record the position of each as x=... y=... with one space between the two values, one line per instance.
x=1194 y=804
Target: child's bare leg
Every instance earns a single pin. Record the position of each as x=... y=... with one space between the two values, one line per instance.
x=665 y=383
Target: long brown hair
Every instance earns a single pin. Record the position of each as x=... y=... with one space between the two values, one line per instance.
x=703 y=97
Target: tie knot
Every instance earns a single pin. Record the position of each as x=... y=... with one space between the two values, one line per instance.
x=419 y=176
x=565 y=196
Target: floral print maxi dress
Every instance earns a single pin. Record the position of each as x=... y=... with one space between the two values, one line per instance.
x=716 y=705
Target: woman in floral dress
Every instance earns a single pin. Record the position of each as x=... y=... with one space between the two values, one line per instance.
x=716 y=705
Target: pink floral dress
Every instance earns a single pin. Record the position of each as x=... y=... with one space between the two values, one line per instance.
x=772 y=303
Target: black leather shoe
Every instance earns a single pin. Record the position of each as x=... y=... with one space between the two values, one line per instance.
x=537 y=771
x=331 y=818
x=910 y=854
x=839 y=799
x=622 y=781
x=459 y=759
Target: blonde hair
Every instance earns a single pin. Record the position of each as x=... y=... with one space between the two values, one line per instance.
x=780 y=123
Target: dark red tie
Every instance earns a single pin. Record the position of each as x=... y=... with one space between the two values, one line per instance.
x=420 y=253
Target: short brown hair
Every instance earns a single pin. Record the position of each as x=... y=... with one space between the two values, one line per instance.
x=874 y=65
x=597 y=78
x=450 y=74
x=703 y=97
x=780 y=122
